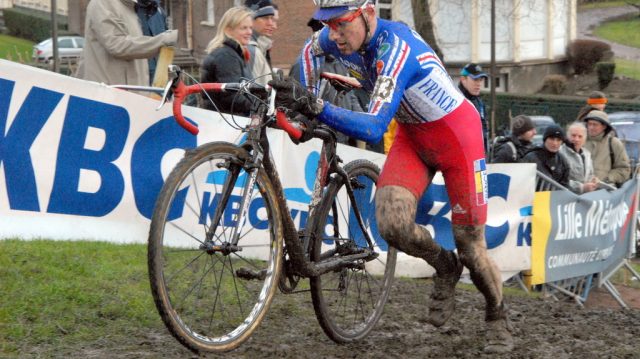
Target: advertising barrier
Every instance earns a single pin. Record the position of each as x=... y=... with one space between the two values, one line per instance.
x=580 y=235
x=82 y=161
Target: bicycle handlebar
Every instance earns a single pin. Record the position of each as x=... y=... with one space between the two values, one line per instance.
x=180 y=91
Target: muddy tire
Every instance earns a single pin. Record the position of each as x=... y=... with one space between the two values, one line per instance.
x=348 y=302
x=212 y=296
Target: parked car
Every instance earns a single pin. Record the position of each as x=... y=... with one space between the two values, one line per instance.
x=69 y=48
x=541 y=123
x=627 y=127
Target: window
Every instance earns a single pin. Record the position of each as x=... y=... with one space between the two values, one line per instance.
x=211 y=14
x=384 y=9
x=65 y=43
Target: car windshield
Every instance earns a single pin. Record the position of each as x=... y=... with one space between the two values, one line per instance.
x=627 y=130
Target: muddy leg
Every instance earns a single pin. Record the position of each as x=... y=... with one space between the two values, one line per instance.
x=396 y=216
x=472 y=249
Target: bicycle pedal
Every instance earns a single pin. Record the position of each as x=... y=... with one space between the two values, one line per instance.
x=248 y=274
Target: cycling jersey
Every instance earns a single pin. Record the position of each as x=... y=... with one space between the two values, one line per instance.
x=438 y=128
x=404 y=76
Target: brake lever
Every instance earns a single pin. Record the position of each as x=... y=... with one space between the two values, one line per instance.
x=167 y=94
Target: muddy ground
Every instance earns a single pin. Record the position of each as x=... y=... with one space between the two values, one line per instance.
x=545 y=328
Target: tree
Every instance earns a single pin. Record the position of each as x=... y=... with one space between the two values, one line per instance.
x=424 y=24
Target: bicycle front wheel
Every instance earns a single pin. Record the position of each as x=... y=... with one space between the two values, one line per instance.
x=349 y=301
x=211 y=293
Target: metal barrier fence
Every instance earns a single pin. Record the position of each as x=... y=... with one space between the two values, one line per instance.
x=578 y=288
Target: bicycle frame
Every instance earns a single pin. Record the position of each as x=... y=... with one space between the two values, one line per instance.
x=257 y=145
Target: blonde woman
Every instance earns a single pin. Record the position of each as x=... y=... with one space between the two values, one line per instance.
x=228 y=60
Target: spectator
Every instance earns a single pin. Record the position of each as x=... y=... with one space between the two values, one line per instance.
x=153 y=20
x=596 y=101
x=547 y=159
x=228 y=61
x=115 y=50
x=471 y=83
x=265 y=23
x=581 y=178
x=610 y=160
x=514 y=147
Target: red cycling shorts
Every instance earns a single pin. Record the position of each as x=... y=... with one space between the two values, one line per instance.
x=452 y=145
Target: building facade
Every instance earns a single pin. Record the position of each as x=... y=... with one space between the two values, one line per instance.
x=43 y=5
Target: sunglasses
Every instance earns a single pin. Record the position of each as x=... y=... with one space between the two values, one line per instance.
x=340 y=23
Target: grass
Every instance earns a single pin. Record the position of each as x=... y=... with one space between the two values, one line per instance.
x=625 y=31
x=15 y=49
x=60 y=295
x=628 y=68
x=71 y=292
x=601 y=4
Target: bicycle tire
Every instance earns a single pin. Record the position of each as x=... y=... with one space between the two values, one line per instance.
x=349 y=302
x=209 y=300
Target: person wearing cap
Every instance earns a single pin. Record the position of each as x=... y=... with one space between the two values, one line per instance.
x=514 y=147
x=438 y=130
x=471 y=81
x=547 y=158
x=349 y=100
x=581 y=177
x=610 y=159
x=265 y=23
x=597 y=100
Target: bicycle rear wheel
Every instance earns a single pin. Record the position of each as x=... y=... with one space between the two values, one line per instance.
x=349 y=301
x=211 y=295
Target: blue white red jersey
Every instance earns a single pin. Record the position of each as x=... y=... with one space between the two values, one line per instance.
x=405 y=77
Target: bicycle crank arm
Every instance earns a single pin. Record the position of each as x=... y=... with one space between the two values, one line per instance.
x=334 y=263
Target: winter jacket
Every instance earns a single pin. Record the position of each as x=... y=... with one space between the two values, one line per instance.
x=153 y=21
x=600 y=147
x=504 y=153
x=259 y=47
x=551 y=164
x=479 y=105
x=227 y=63
x=115 y=50
x=580 y=167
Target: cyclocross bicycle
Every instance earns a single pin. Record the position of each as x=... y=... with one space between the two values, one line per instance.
x=216 y=254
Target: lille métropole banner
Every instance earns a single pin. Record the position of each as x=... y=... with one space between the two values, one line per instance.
x=580 y=235
x=83 y=161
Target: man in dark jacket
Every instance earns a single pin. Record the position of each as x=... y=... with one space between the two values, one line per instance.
x=548 y=159
x=471 y=81
x=153 y=21
x=513 y=148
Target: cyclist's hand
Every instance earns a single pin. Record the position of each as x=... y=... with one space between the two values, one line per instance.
x=306 y=125
x=292 y=95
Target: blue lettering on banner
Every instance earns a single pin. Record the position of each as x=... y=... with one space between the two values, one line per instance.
x=20 y=178
x=495 y=236
x=17 y=139
x=72 y=157
x=146 y=158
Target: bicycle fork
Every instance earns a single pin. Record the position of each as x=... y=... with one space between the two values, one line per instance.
x=251 y=168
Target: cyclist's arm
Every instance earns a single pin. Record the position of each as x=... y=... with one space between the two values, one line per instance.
x=311 y=61
x=399 y=68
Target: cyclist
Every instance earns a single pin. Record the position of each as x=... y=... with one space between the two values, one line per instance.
x=438 y=129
